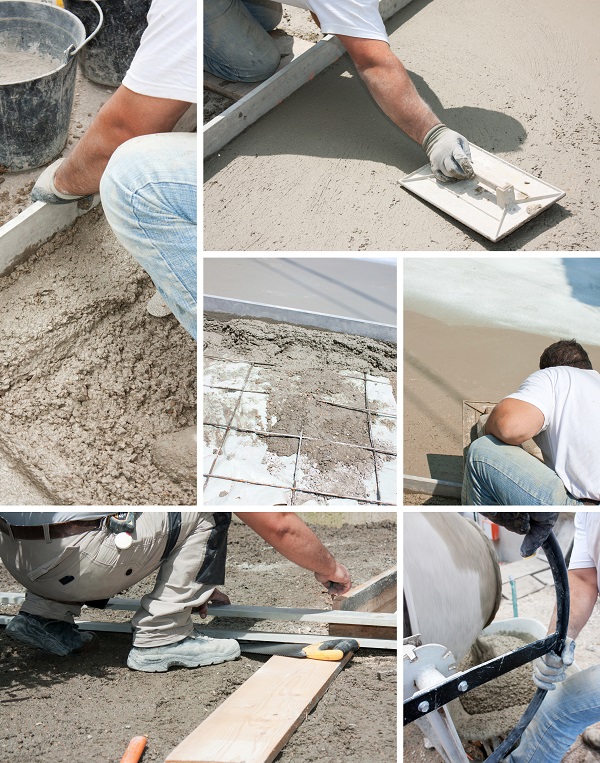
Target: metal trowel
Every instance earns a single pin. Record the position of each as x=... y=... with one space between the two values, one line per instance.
x=497 y=201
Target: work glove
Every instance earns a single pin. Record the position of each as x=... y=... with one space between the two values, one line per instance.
x=550 y=669
x=449 y=154
x=44 y=189
x=535 y=526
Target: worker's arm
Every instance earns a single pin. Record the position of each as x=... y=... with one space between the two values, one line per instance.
x=292 y=538
x=125 y=115
x=395 y=94
x=514 y=421
x=583 y=591
x=550 y=669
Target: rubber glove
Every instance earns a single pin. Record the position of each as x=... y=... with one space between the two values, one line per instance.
x=449 y=154
x=535 y=526
x=44 y=189
x=550 y=669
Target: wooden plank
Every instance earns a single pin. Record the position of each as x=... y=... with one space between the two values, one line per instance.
x=430 y=486
x=234 y=120
x=289 y=47
x=21 y=236
x=256 y=721
x=377 y=596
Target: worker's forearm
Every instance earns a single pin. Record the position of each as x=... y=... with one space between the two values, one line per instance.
x=293 y=539
x=583 y=595
x=395 y=94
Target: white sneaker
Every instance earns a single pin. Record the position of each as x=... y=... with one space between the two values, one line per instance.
x=193 y=652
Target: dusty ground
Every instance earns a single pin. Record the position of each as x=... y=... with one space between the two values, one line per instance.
x=88 y=707
x=538 y=605
x=321 y=171
x=88 y=379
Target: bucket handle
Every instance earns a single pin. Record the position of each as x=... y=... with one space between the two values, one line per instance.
x=72 y=51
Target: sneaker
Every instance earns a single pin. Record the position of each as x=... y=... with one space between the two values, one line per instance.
x=194 y=651
x=158 y=307
x=53 y=636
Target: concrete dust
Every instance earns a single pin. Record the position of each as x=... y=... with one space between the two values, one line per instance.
x=89 y=380
x=355 y=721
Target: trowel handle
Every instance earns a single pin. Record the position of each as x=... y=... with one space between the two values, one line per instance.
x=75 y=51
x=505 y=191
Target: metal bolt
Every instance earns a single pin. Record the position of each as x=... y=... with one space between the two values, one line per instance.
x=463 y=686
x=423 y=707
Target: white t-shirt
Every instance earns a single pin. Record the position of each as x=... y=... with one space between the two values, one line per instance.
x=569 y=398
x=586 y=546
x=165 y=65
x=353 y=18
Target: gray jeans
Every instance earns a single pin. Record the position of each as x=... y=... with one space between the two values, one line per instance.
x=188 y=550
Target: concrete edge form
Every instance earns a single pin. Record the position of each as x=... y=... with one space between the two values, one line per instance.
x=31 y=228
x=432 y=487
x=385 y=332
x=234 y=120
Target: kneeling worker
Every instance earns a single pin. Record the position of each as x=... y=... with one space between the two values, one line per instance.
x=66 y=559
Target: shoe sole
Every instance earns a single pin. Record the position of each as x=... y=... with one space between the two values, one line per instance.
x=22 y=638
x=161 y=665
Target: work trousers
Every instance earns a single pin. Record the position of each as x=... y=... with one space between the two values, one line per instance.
x=149 y=196
x=188 y=550
x=564 y=714
x=497 y=474
x=236 y=44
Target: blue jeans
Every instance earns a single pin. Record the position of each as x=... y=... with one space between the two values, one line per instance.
x=149 y=196
x=497 y=474
x=236 y=44
x=564 y=714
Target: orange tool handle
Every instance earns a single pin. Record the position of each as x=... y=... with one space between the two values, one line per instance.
x=134 y=750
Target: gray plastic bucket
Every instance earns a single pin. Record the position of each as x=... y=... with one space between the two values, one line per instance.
x=35 y=112
x=109 y=55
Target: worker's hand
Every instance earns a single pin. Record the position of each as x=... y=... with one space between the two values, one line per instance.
x=481 y=424
x=449 y=154
x=337 y=584
x=217 y=597
x=45 y=190
x=535 y=526
x=550 y=669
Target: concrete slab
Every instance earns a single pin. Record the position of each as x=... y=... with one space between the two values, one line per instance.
x=525 y=585
x=320 y=172
x=522 y=568
x=544 y=577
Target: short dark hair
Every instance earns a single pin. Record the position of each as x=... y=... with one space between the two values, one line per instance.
x=567 y=352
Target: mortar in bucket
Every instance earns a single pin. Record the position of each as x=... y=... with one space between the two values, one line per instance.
x=109 y=55
x=39 y=44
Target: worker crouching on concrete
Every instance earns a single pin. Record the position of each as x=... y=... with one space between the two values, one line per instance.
x=66 y=559
x=237 y=47
x=573 y=700
x=559 y=407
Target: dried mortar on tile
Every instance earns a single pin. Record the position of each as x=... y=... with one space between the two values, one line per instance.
x=88 y=379
x=493 y=709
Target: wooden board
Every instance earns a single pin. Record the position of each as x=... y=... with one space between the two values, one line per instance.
x=256 y=721
x=477 y=202
x=234 y=120
x=377 y=596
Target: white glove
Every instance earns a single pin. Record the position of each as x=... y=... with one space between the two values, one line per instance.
x=45 y=190
x=550 y=669
x=449 y=154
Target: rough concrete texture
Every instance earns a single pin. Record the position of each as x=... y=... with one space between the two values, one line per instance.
x=321 y=171
x=89 y=380
x=87 y=707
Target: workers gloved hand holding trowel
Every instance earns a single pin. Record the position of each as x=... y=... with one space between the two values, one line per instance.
x=535 y=526
x=45 y=189
x=449 y=154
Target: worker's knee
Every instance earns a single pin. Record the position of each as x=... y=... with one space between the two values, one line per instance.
x=481 y=450
x=254 y=65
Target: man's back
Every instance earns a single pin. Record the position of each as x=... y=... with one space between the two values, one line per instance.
x=569 y=398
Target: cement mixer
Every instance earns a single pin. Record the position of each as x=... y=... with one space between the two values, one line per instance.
x=452 y=591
